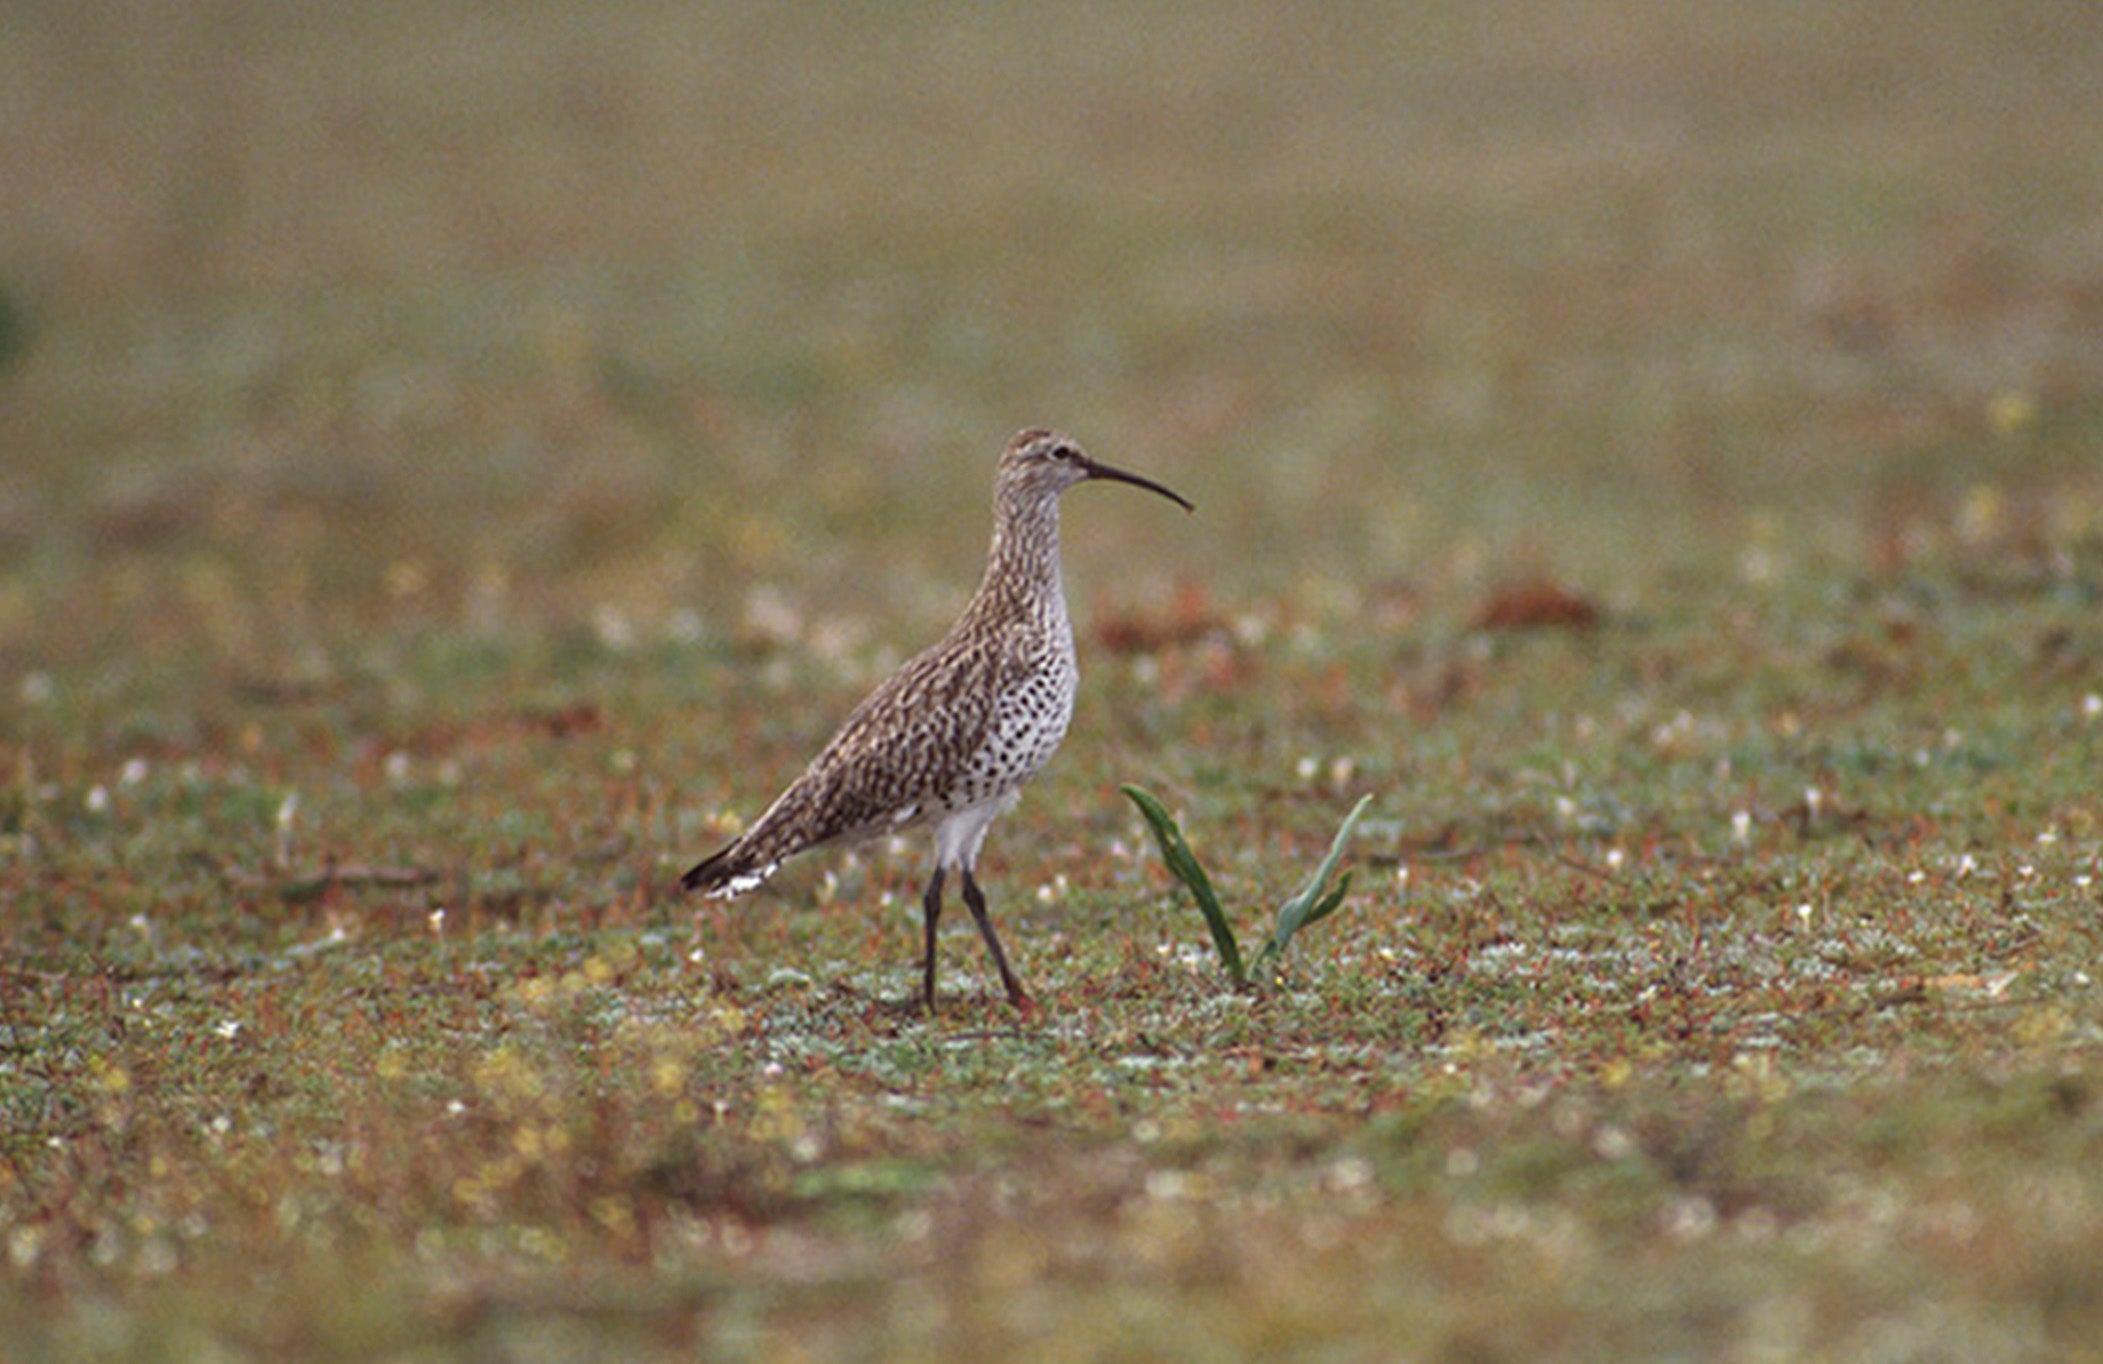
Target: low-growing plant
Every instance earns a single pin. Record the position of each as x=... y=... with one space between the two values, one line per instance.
x=1312 y=903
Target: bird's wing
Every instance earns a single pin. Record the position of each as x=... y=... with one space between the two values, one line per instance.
x=903 y=747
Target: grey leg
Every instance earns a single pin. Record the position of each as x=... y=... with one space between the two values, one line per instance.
x=931 y=908
x=976 y=901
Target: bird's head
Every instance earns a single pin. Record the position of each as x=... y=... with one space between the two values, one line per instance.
x=1045 y=463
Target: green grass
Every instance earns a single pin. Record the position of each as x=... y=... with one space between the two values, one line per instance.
x=435 y=513
x=1310 y=904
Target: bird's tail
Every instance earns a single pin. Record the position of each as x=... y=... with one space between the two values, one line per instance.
x=787 y=828
x=733 y=871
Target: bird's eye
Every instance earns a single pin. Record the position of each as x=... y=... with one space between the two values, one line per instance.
x=1063 y=452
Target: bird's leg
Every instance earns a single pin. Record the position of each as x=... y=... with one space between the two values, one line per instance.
x=931 y=907
x=976 y=900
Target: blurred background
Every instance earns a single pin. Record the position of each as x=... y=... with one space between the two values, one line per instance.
x=322 y=319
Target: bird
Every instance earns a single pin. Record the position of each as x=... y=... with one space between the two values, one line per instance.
x=949 y=739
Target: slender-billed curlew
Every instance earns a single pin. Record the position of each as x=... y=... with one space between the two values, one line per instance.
x=950 y=738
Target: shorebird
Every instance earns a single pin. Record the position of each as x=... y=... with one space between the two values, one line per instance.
x=949 y=739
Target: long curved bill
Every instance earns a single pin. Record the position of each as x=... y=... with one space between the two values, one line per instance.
x=1098 y=469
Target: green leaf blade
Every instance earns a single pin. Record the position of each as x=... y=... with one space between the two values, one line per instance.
x=1310 y=905
x=1184 y=865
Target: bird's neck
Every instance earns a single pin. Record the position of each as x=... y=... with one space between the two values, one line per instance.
x=1022 y=567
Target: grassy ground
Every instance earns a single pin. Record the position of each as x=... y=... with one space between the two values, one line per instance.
x=460 y=460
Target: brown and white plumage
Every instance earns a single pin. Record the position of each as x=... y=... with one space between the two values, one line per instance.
x=950 y=738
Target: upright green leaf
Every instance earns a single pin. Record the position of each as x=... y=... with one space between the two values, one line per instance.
x=1310 y=905
x=1184 y=864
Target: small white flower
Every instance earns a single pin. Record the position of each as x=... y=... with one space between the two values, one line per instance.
x=1690 y=1217
x=1349 y=1174
x=1741 y=826
x=24 y=1243
x=615 y=631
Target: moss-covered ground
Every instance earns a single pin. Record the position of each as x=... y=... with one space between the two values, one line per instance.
x=458 y=462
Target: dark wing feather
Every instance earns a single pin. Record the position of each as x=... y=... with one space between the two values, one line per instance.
x=904 y=746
